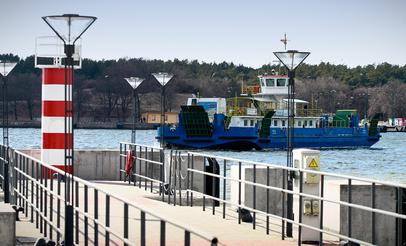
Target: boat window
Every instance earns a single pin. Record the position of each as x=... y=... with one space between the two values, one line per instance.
x=275 y=123
x=252 y=123
x=280 y=82
x=270 y=82
x=283 y=123
x=310 y=123
x=245 y=122
x=305 y=123
x=263 y=82
x=299 y=123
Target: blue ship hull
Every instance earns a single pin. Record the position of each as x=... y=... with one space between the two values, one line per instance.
x=246 y=138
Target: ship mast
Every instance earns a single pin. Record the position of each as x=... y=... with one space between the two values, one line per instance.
x=285 y=40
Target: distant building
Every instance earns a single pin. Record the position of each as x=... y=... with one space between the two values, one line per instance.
x=154 y=117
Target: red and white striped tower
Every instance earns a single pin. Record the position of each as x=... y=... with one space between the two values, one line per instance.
x=54 y=139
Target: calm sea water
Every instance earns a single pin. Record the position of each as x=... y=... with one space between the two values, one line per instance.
x=386 y=160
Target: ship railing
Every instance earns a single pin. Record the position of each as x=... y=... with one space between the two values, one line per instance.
x=38 y=188
x=301 y=112
x=243 y=190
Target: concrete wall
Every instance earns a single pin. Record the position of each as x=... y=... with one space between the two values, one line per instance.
x=275 y=197
x=105 y=165
x=7 y=225
x=361 y=221
x=91 y=164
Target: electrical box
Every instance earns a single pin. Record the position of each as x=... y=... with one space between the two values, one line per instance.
x=307 y=159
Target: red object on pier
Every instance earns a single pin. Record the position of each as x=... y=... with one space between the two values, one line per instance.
x=129 y=162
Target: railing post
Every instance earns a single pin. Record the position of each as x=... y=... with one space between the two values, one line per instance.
x=125 y=222
x=142 y=228
x=224 y=187
x=107 y=221
x=163 y=233
x=239 y=192
x=68 y=225
x=6 y=175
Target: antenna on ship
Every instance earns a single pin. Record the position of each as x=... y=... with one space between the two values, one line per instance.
x=285 y=40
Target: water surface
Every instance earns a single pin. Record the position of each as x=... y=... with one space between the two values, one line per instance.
x=386 y=160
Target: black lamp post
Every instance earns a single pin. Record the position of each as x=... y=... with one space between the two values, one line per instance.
x=5 y=69
x=291 y=59
x=163 y=79
x=63 y=25
x=134 y=82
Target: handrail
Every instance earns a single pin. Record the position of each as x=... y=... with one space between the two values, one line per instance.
x=393 y=184
x=155 y=214
x=285 y=191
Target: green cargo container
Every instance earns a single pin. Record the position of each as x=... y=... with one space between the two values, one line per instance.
x=341 y=118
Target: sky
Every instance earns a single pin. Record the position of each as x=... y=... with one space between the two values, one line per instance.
x=349 y=32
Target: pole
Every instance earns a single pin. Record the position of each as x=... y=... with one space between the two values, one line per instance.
x=69 y=181
x=6 y=182
x=133 y=137
x=291 y=126
x=162 y=116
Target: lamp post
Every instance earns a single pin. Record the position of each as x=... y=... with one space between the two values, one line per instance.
x=163 y=79
x=63 y=25
x=134 y=82
x=5 y=69
x=291 y=59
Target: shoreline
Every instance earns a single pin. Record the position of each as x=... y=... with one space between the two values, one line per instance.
x=89 y=125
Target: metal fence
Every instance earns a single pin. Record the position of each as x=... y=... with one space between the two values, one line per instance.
x=153 y=169
x=249 y=190
x=189 y=174
x=38 y=188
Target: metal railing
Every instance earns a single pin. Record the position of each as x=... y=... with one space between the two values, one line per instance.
x=146 y=162
x=36 y=187
x=263 y=189
x=153 y=169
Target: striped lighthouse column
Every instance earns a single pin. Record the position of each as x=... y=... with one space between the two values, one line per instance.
x=54 y=140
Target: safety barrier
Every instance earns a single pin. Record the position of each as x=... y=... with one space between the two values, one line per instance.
x=148 y=167
x=187 y=175
x=350 y=207
x=39 y=189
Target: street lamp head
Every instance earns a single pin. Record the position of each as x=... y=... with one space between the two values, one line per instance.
x=62 y=26
x=134 y=82
x=6 y=67
x=291 y=59
x=163 y=78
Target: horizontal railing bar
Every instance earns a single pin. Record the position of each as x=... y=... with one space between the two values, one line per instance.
x=149 y=161
x=150 y=179
x=380 y=211
x=399 y=185
x=141 y=145
x=143 y=159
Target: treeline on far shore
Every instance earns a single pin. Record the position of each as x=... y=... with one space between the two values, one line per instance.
x=102 y=95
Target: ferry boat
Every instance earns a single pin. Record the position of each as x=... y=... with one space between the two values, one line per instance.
x=258 y=120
